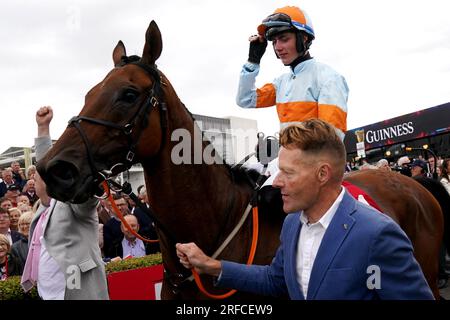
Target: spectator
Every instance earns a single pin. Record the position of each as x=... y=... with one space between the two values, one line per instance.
x=19 y=249
x=8 y=180
x=23 y=198
x=64 y=258
x=29 y=173
x=14 y=215
x=112 y=233
x=439 y=170
x=18 y=174
x=418 y=168
x=431 y=164
x=12 y=193
x=104 y=211
x=6 y=203
x=403 y=160
x=383 y=164
x=30 y=191
x=130 y=202
x=8 y=263
x=445 y=174
x=140 y=193
x=5 y=222
x=130 y=246
x=24 y=207
x=147 y=226
x=404 y=165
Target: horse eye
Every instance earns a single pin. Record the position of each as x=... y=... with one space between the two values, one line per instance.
x=129 y=96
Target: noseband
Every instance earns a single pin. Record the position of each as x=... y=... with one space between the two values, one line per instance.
x=139 y=121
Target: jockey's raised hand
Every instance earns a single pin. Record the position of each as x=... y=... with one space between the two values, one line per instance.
x=258 y=45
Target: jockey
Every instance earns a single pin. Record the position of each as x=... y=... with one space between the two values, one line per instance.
x=309 y=90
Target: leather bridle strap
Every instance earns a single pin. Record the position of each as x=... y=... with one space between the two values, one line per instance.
x=142 y=114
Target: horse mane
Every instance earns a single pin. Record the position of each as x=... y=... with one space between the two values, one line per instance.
x=242 y=175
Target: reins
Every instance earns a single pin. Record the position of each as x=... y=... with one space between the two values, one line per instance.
x=120 y=215
x=251 y=256
x=251 y=206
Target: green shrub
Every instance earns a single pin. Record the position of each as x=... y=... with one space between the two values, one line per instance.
x=134 y=263
x=10 y=289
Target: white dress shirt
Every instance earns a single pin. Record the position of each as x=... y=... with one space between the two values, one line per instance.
x=311 y=236
x=51 y=282
x=135 y=249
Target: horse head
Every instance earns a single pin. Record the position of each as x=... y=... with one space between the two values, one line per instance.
x=121 y=114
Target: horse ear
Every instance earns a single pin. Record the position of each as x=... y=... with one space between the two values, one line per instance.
x=118 y=52
x=153 y=44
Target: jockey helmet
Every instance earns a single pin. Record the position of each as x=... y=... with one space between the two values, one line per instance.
x=284 y=19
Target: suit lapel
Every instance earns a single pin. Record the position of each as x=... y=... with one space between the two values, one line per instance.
x=335 y=234
x=49 y=213
x=291 y=259
x=36 y=218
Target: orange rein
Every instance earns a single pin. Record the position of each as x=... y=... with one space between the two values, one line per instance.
x=251 y=256
x=197 y=279
x=120 y=215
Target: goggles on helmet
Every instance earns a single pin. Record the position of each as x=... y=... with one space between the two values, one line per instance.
x=279 y=22
x=275 y=23
x=277 y=19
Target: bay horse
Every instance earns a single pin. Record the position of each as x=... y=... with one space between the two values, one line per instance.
x=129 y=117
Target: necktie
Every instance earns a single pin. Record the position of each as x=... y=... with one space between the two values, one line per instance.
x=31 y=269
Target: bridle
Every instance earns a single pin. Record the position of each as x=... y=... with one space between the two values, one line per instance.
x=139 y=121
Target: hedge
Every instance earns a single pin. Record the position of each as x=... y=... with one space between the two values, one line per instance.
x=10 y=289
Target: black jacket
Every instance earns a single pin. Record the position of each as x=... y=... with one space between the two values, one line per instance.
x=19 y=250
x=13 y=267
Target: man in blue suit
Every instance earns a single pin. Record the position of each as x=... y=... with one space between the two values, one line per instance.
x=332 y=246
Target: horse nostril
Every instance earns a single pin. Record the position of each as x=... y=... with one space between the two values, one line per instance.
x=62 y=174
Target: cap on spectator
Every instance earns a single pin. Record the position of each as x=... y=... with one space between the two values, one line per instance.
x=13 y=187
x=419 y=163
x=403 y=160
x=382 y=162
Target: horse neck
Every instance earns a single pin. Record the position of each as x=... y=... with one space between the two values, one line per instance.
x=195 y=202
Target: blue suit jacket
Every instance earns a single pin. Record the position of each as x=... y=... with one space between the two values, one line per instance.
x=357 y=237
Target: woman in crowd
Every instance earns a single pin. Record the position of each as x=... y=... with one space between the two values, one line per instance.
x=20 y=248
x=445 y=174
x=14 y=215
x=8 y=263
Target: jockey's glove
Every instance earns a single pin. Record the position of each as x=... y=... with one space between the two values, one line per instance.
x=256 y=51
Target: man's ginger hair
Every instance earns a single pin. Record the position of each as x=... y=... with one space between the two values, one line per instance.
x=316 y=137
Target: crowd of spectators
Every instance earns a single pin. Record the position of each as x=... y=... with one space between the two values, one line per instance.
x=438 y=168
x=411 y=167
x=19 y=202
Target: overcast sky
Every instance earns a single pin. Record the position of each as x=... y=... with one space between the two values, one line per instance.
x=394 y=54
